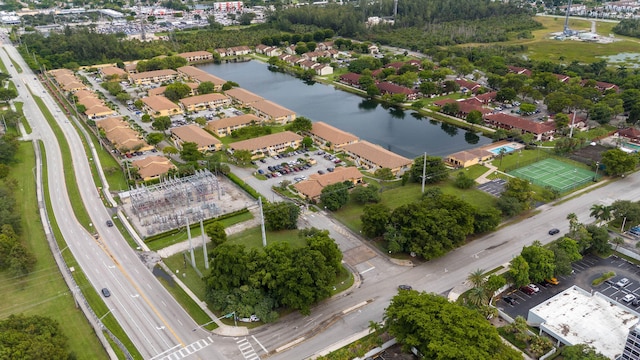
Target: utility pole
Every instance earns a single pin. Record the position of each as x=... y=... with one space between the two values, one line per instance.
x=204 y=244
x=264 y=234
x=424 y=171
x=193 y=256
x=573 y=119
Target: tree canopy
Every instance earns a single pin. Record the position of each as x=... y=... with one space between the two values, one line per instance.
x=32 y=337
x=443 y=330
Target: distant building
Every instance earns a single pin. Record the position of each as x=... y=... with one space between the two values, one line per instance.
x=243 y=97
x=224 y=127
x=160 y=106
x=197 y=56
x=374 y=157
x=153 y=77
x=152 y=167
x=312 y=188
x=199 y=76
x=193 y=133
x=327 y=136
x=272 y=112
x=268 y=145
x=206 y=101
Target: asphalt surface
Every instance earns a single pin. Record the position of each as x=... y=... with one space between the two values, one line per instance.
x=154 y=321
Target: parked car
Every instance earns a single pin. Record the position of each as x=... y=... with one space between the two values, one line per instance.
x=527 y=290
x=261 y=172
x=554 y=231
x=534 y=287
x=320 y=172
x=263 y=161
x=629 y=298
x=404 y=287
x=509 y=300
x=623 y=282
x=636 y=302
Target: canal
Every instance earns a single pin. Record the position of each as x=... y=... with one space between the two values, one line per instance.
x=404 y=132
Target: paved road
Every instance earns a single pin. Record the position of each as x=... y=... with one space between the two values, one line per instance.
x=154 y=321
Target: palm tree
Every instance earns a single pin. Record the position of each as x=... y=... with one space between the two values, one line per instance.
x=601 y=213
x=617 y=241
x=477 y=297
x=573 y=222
x=477 y=278
x=596 y=211
x=607 y=213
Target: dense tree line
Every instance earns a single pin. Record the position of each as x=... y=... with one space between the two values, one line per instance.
x=257 y=282
x=429 y=227
x=439 y=329
x=628 y=27
x=31 y=338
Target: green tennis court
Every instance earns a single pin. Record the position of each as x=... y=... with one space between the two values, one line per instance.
x=555 y=174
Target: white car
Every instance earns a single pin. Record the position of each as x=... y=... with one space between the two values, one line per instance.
x=534 y=287
x=629 y=298
x=623 y=282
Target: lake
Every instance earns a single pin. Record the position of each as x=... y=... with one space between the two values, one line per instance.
x=404 y=132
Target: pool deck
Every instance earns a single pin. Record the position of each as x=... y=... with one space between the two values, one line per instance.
x=514 y=145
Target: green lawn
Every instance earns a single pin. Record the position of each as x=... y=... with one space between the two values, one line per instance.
x=25 y=123
x=252 y=238
x=43 y=292
x=349 y=215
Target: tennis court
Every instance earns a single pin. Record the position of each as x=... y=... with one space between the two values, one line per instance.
x=555 y=174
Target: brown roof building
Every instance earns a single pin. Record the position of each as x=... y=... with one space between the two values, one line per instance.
x=200 y=76
x=374 y=157
x=160 y=90
x=468 y=157
x=242 y=96
x=225 y=126
x=160 y=106
x=206 y=101
x=541 y=131
x=152 y=167
x=312 y=188
x=269 y=144
x=193 y=133
x=121 y=135
x=272 y=112
x=113 y=72
x=323 y=134
x=197 y=56
x=153 y=77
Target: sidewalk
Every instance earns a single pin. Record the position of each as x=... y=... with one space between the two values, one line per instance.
x=484 y=178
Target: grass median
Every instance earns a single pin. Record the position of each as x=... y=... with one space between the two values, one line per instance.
x=43 y=292
x=95 y=301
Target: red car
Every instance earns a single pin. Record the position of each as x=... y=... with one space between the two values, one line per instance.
x=527 y=290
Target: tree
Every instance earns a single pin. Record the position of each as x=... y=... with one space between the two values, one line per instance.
x=190 y=152
x=617 y=241
x=161 y=123
x=452 y=108
x=527 y=108
x=384 y=174
x=375 y=218
x=462 y=181
x=145 y=118
x=281 y=216
x=474 y=117
x=320 y=241
x=335 y=196
x=617 y=162
x=154 y=138
x=435 y=170
x=230 y=267
x=123 y=97
x=206 y=87
x=519 y=271
x=176 y=91
x=170 y=150
x=433 y=325
x=599 y=239
x=562 y=121
x=600 y=212
x=365 y=194
x=229 y=85
x=582 y=351
x=486 y=219
x=300 y=124
x=506 y=94
x=519 y=189
x=565 y=251
x=601 y=113
x=33 y=337
x=215 y=232
x=242 y=156
x=307 y=142
x=541 y=261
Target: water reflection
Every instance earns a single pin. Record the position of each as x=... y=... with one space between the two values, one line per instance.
x=471 y=137
x=449 y=129
x=368 y=104
x=397 y=113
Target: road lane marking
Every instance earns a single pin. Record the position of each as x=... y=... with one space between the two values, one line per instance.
x=258 y=342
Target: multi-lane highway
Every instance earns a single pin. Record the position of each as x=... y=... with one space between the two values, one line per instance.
x=160 y=328
x=155 y=322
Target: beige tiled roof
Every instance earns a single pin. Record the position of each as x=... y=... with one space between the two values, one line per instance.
x=59 y=72
x=272 y=109
x=154 y=73
x=153 y=166
x=195 y=53
x=206 y=98
x=193 y=133
x=111 y=123
x=112 y=70
x=377 y=155
x=84 y=93
x=159 y=103
x=266 y=141
x=125 y=138
x=232 y=121
x=243 y=96
x=99 y=110
x=312 y=188
x=200 y=75
x=332 y=134
x=90 y=102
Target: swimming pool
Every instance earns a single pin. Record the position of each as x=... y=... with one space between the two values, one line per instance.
x=632 y=146
x=507 y=149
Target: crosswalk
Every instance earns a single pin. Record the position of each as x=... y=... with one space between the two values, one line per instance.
x=190 y=349
x=247 y=349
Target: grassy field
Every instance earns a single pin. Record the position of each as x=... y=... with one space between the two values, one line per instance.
x=43 y=292
x=349 y=215
x=542 y=47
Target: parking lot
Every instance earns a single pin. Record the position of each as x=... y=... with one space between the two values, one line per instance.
x=292 y=167
x=584 y=272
